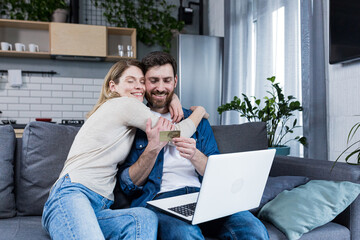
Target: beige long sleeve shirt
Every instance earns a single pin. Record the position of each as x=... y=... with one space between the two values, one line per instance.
x=105 y=140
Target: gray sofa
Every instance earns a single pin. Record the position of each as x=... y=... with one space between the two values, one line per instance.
x=29 y=166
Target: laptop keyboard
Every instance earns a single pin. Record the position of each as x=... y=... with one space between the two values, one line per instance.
x=186 y=210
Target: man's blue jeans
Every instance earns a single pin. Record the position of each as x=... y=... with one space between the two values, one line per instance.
x=242 y=225
x=73 y=211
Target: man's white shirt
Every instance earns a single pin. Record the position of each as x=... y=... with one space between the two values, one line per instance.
x=178 y=172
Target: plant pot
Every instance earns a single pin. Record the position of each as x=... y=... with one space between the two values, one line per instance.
x=281 y=150
x=59 y=15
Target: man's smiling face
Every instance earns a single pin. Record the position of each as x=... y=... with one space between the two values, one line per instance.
x=160 y=83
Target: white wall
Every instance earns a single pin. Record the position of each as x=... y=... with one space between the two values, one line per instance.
x=48 y=97
x=343 y=99
x=343 y=105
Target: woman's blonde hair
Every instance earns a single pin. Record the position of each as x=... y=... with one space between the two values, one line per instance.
x=114 y=74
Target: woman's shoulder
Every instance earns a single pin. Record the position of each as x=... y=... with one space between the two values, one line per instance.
x=124 y=100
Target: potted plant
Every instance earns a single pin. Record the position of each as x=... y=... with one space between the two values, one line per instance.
x=355 y=146
x=152 y=19
x=32 y=10
x=277 y=112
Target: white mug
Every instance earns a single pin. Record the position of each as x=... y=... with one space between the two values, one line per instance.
x=33 y=47
x=19 y=47
x=6 y=46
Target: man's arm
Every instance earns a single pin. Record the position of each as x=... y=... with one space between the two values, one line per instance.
x=198 y=151
x=141 y=169
x=187 y=149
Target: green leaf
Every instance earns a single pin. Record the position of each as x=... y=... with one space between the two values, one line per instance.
x=275 y=111
x=352 y=132
x=153 y=21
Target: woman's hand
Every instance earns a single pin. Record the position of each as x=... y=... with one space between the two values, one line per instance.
x=206 y=115
x=153 y=134
x=175 y=109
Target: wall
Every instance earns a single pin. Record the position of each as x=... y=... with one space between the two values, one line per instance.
x=72 y=92
x=48 y=97
x=343 y=105
x=343 y=99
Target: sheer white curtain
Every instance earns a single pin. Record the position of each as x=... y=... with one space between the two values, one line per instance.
x=266 y=43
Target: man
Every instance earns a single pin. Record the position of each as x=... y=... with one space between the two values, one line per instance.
x=154 y=170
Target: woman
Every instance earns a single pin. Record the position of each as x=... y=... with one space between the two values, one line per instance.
x=78 y=204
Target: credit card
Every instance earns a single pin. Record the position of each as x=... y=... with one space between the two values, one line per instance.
x=167 y=136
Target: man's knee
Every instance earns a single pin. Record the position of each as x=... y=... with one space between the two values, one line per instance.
x=244 y=225
x=180 y=231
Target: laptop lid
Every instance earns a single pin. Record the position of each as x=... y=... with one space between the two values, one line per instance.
x=232 y=182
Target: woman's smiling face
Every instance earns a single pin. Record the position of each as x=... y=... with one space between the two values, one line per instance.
x=131 y=84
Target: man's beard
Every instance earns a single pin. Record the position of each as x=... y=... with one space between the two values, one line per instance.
x=156 y=103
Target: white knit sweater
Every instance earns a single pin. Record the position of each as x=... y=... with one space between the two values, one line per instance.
x=105 y=140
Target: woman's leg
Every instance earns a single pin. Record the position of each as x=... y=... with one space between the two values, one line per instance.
x=132 y=223
x=69 y=214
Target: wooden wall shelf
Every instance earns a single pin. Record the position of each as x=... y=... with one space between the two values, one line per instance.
x=66 y=39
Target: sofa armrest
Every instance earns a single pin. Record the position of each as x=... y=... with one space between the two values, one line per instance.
x=320 y=169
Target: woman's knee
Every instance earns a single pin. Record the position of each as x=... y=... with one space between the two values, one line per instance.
x=145 y=215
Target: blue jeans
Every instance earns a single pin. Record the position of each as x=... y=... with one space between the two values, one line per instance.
x=73 y=211
x=241 y=225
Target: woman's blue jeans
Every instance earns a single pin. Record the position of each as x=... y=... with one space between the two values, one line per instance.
x=241 y=225
x=73 y=211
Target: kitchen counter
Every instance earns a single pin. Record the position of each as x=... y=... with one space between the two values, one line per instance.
x=18 y=129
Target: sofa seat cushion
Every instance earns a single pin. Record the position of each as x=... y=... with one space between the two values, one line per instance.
x=7 y=149
x=28 y=228
x=45 y=147
x=329 y=231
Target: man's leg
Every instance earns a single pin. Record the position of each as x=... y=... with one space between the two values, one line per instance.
x=242 y=225
x=176 y=229
x=132 y=223
x=173 y=228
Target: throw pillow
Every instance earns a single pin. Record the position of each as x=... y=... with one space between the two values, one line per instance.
x=7 y=148
x=276 y=185
x=309 y=206
x=249 y=137
x=44 y=151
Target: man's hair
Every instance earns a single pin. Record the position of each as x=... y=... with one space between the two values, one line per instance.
x=158 y=59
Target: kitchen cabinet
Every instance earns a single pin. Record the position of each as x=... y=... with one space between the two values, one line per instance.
x=77 y=40
x=26 y=32
x=65 y=39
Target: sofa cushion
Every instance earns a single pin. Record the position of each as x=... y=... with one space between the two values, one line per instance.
x=45 y=148
x=309 y=206
x=7 y=149
x=28 y=228
x=330 y=231
x=276 y=185
x=241 y=137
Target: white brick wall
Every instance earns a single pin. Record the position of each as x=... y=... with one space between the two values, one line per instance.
x=50 y=97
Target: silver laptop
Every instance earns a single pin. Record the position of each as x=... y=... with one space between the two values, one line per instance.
x=232 y=183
